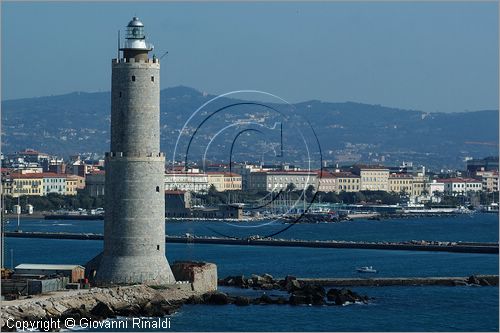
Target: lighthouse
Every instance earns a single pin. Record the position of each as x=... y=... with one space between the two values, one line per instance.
x=134 y=223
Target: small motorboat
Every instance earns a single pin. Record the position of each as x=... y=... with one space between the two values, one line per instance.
x=366 y=269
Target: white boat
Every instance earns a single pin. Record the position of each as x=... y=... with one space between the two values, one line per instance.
x=366 y=269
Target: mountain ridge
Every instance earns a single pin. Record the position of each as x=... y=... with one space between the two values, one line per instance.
x=349 y=131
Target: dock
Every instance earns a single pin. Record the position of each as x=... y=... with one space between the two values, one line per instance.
x=466 y=247
x=491 y=280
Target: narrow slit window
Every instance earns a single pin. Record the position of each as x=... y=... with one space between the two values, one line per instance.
x=157 y=188
x=152 y=79
x=120 y=94
x=133 y=77
x=158 y=247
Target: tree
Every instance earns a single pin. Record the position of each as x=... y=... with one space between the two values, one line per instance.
x=290 y=187
x=310 y=192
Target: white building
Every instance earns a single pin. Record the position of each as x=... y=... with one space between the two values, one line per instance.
x=54 y=183
x=186 y=181
x=274 y=181
x=460 y=186
x=436 y=187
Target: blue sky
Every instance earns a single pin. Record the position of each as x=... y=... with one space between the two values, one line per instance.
x=425 y=56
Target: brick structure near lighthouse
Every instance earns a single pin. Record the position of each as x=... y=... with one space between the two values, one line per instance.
x=134 y=227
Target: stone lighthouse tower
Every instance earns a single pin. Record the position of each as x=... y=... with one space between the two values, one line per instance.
x=134 y=226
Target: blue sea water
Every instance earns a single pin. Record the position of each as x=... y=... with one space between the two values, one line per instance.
x=393 y=308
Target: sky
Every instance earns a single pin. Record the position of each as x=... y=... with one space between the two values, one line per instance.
x=434 y=57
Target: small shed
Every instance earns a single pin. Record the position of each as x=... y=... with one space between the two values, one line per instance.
x=74 y=272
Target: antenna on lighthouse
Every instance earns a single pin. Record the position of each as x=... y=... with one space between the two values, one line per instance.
x=118 y=50
x=164 y=54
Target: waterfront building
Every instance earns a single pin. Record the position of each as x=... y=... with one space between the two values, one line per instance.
x=244 y=170
x=401 y=183
x=326 y=182
x=346 y=182
x=54 y=183
x=419 y=186
x=186 y=181
x=232 y=181
x=73 y=184
x=274 y=181
x=224 y=181
x=489 y=180
x=373 y=177
x=177 y=203
x=461 y=186
x=216 y=179
x=95 y=183
x=29 y=184
x=435 y=187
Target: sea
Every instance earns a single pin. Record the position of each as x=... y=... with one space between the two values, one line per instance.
x=398 y=308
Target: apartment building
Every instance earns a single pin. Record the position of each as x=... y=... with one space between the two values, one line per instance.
x=401 y=183
x=186 y=181
x=489 y=180
x=373 y=177
x=460 y=186
x=346 y=182
x=274 y=181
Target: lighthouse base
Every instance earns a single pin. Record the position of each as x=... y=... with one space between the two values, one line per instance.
x=108 y=271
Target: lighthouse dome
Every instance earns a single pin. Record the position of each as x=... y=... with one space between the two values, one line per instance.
x=135 y=23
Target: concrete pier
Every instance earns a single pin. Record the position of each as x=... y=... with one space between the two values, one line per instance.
x=468 y=247
x=491 y=280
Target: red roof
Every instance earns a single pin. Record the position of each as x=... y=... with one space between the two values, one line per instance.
x=38 y=175
x=458 y=180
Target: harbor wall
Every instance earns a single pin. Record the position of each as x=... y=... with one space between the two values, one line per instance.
x=399 y=246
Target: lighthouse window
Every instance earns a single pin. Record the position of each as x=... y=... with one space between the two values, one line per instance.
x=157 y=188
x=133 y=77
x=152 y=79
x=120 y=94
x=158 y=247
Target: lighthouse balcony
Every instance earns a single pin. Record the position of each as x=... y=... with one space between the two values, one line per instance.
x=134 y=60
x=134 y=154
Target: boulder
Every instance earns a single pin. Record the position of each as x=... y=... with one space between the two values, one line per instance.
x=293 y=285
x=472 y=280
x=268 y=278
x=300 y=299
x=216 y=298
x=77 y=314
x=195 y=299
x=267 y=286
x=240 y=281
x=241 y=301
x=151 y=309
x=265 y=299
x=102 y=311
x=459 y=283
x=131 y=310
x=484 y=282
x=342 y=296
x=281 y=300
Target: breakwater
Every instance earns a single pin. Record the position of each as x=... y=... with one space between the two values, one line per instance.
x=483 y=280
x=468 y=247
x=290 y=283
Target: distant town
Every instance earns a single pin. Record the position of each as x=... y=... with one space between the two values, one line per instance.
x=35 y=181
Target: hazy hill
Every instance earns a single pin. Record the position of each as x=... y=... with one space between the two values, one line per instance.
x=79 y=122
